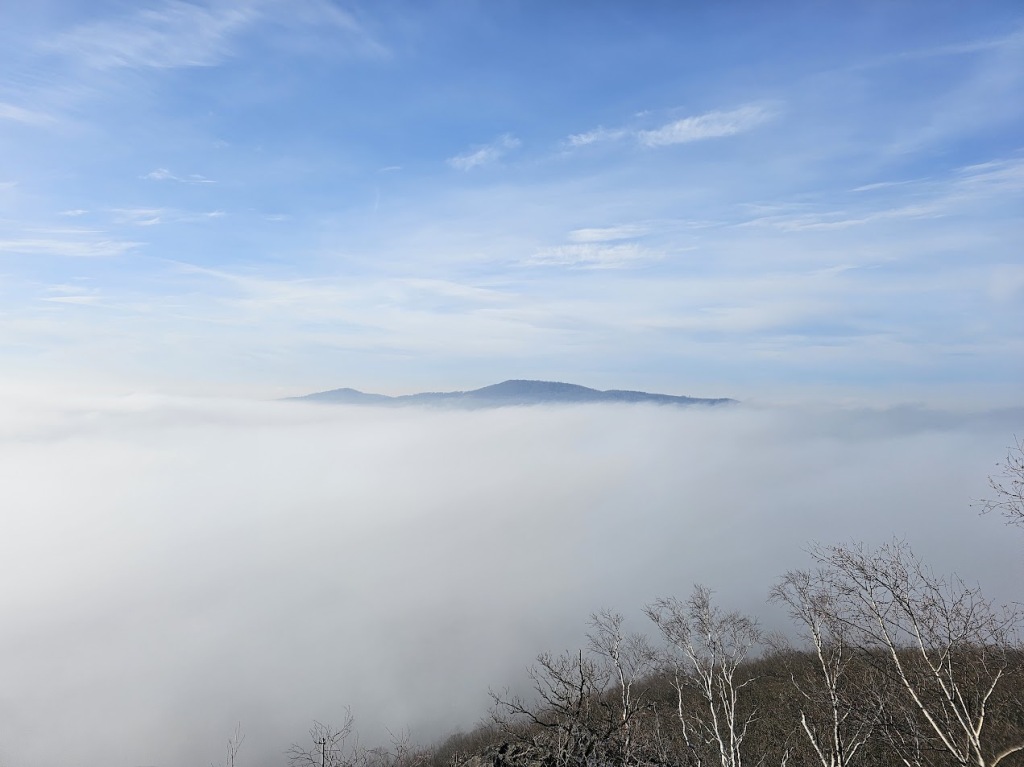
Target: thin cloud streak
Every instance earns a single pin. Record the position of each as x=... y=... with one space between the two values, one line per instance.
x=175 y=35
x=706 y=126
x=933 y=197
x=1013 y=40
x=25 y=116
x=607 y=233
x=485 y=155
x=162 y=174
x=594 y=255
x=598 y=135
x=715 y=124
x=71 y=248
x=85 y=300
x=154 y=216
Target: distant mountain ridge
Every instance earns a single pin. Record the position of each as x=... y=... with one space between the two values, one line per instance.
x=512 y=392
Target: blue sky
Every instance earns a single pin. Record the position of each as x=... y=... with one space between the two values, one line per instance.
x=716 y=199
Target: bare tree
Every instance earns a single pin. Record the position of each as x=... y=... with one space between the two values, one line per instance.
x=564 y=719
x=587 y=705
x=629 y=659
x=1008 y=487
x=328 y=747
x=708 y=647
x=234 y=744
x=400 y=753
x=941 y=643
x=835 y=725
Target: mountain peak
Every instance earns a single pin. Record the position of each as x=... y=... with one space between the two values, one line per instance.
x=515 y=391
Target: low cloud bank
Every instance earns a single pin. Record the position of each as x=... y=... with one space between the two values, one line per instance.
x=171 y=567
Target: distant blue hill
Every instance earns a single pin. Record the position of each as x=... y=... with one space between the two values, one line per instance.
x=508 y=393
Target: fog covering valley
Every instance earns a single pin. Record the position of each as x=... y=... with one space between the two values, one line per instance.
x=181 y=565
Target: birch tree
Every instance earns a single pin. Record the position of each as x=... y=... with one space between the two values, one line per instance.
x=943 y=645
x=707 y=651
x=628 y=659
x=836 y=726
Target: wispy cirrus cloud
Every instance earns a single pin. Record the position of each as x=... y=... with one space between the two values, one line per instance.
x=993 y=177
x=715 y=124
x=599 y=247
x=176 y=34
x=486 y=154
x=139 y=216
x=607 y=233
x=706 y=126
x=32 y=117
x=67 y=289
x=932 y=197
x=75 y=248
x=162 y=174
x=78 y=300
x=981 y=45
x=842 y=219
x=592 y=255
x=883 y=185
x=154 y=216
x=597 y=135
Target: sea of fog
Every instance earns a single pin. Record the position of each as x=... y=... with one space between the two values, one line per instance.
x=171 y=567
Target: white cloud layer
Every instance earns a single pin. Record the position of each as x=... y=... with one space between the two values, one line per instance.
x=171 y=567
